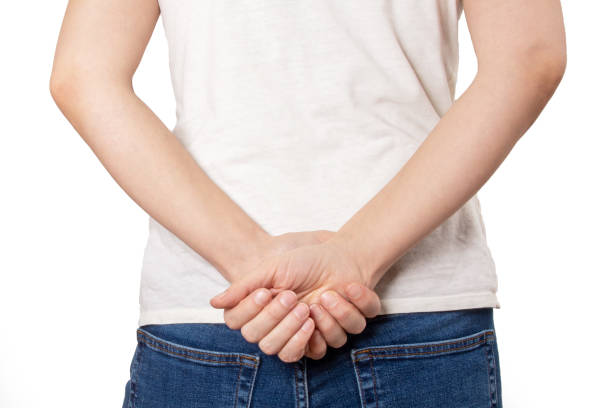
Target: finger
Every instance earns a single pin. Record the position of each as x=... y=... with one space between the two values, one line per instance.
x=324 y=235
x=317 y=347
x=295 y=347
x=347 y=315
x=364 y=298
x=275 y=311
x=330 y=329
x=247 y=309
x=236 y=292
x=276 y=339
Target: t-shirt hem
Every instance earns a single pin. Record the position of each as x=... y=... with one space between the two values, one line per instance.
x=389 y=306
x=440 y=303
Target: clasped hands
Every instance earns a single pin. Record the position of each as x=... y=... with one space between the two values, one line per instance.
x=303 y=294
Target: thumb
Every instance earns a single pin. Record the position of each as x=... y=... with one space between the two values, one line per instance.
x=364 y=298
x=235 y=293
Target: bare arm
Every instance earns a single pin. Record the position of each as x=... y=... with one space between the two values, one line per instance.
x=520 y=46
x=100 y=46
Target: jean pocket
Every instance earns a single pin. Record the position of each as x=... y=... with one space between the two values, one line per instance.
x=456 y=372
x=169 y=374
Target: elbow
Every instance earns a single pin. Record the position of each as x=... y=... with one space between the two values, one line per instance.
x=547 y=69
x=538 y=69
x=70 y=87
x=63 y=87
x=56 y=88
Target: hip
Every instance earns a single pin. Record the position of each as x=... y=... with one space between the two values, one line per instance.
x=424 y=359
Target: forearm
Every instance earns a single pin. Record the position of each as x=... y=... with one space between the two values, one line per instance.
x=459 y=155
x=158 y=173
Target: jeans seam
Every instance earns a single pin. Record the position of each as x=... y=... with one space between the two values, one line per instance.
x=196 y=358
x=492 y=376
x=252 y=385
x=237 y=387
x=134 y=379
x=373 y=378
x=306 y=383
x=426 y=352
x=297 y=394
x=360 y=384
x=184 y=352
x=485 y=334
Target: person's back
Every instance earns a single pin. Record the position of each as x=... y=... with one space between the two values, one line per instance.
x=323 y=174
x=301 y=112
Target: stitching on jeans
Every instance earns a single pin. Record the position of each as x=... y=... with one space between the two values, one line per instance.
x=306 y=383
x=424 y=352
x=373 y=378
x=169 y=349
x=361 y=389
x=237 y=386
x=197 y=358
x=495 y=370
x=486 y=353
x=297 y=394
x=186 y=349
x=253 y=379
x=133 y=386
x=492 y=377
x=368 y=350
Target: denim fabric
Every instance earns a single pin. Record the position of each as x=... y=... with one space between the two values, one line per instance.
x=430 y=359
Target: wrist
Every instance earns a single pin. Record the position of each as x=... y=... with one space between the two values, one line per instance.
x=355 y=249
x=248 y=252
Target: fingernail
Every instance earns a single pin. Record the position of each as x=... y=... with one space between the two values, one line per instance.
x=287 y=299
x=329 y=299
x=301 y=310
x=261 y=297
x=307 y=325
x=316 y=310
x=354 y=290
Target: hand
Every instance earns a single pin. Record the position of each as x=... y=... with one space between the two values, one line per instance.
x=309 y=271
x=316 y=346
x=332 y=332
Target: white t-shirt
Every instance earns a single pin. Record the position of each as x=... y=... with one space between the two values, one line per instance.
x=301 y=111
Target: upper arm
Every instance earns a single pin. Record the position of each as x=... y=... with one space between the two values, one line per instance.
x=514 y=35
x=102 y=41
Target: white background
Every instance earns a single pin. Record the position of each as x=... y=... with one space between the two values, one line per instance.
x=71 y=240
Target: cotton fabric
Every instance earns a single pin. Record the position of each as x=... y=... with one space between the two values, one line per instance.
x=301 y=111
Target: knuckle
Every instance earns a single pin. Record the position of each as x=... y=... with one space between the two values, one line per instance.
x=248 y=334
x=339 y=341
x=342 y=313
x=231 y=321
x=288 y=292
x=372 y=313
x=283 y=356
x=266 y=347
x=320 y=350
x=277 y=311
x=304 y=309
x=326 y=326
x=289 y=357
x=359 y=327
x=375 y=309
x=232 y=324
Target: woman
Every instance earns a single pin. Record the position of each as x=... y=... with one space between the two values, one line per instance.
x=323 y=173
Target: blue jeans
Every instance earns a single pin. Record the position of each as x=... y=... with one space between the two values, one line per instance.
x=429 y=359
